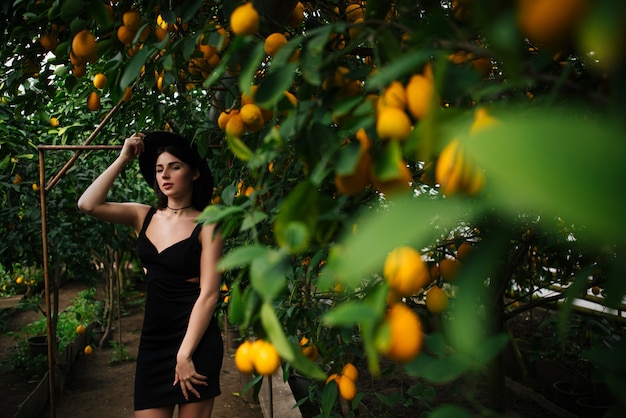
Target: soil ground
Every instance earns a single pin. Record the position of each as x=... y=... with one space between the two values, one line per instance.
x=98 y=387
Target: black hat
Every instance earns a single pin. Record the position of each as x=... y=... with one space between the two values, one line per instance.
x=155 y=140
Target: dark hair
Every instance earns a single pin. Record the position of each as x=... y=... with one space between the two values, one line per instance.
x=200 y=197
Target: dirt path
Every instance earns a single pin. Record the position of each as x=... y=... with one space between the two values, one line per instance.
x=96 y=386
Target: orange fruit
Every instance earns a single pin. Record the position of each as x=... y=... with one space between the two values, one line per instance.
x=93 y=101
x=88 y=350
x=49 y=41
x=420 y=92
x=351 y=184
x=333 y=376
x=393 y=96
x=350 y=370
x=273 y=43
x=297 y=16
x=436 y=300
x=125 y=35
x=244 y=20
x=80 y=329
x=17 y=179
x=235 y=126
x=132 y=20
x=354 y=12
x=596 y=290
x=100 y=81
x=449 y=268
x=405 y=333
x=393 y=124
x=464 y=251
x=84 y=45
x=128 y=93
x=250 y=114
x=550 y=22
x=347 y=388
x=54 y=122
x=79 y=70
x=405 y=271
x=266 y=360
x=308 y=349
x=244 y=357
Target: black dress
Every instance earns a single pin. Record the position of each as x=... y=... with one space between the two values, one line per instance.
x=169 y=300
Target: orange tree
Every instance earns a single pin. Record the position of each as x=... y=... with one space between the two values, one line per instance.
x=485 y=135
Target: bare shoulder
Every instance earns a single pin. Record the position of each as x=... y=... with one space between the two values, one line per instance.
x=210 y=234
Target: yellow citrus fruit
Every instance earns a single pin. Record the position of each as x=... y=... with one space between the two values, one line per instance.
x=250 y=114
x=88 y=350
x=132 y=20
x=550 y=22
x=393 y=95
x=235 y=126
x=244 y=357
x=354 y=12
x=84 y=45
x=19 y=280
x=436 y=300
x=244 y=20
x=308 y=349
x=49 y=41
x=249 y=98
x=393 y=124
x=125 y=35
x=405 y=271
x=35 y=187
x=17 y=179
x=128 y=93
x=273 y=43
x=93 y=101
x=100 y=81
x=347 y=388
x=455 y=173
x=333 y=376
x=350 y=370
x=266 y=359
x=224 y=117
x=353 y=183
x=449 y=268
x=420 y=92
x=80 y=329
x=464 y=251
x=405 y=333
x=297 y=16
x=54 y=122
x=482 y=120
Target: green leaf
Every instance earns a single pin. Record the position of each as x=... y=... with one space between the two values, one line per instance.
x=439 y=370
x=133 y=69
x=71 y=9
x=268 y=274
x=404 y=65
x=287 y=351
x=239 y=148
x=348 y=314
x=253 y=218
x=217 y=213
x=450 y=411
x=252 y=62
x=565 y=164
x=296 y=218
x=242 y=256
x=236 y=306
x=272 y=87
x=363 y=253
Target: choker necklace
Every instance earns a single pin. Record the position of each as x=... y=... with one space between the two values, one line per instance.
x=175 y=210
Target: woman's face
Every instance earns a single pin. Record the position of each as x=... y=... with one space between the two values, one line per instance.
x=174 y=177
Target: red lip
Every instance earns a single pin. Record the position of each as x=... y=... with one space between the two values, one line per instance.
x=166 y=185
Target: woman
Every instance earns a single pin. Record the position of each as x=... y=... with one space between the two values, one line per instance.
x=181 y=349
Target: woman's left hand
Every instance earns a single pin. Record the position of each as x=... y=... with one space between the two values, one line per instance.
x=186 y=375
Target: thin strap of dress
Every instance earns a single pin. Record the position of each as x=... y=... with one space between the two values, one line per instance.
x=147 y=220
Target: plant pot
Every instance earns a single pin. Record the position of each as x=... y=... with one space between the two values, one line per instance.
x=299 y=386
x=591 y=407
x=567 y=392
x=38 y=344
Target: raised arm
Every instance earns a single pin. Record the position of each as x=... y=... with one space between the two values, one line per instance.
x=93 y=201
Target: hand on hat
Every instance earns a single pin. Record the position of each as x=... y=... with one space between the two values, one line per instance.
x=133 y=146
